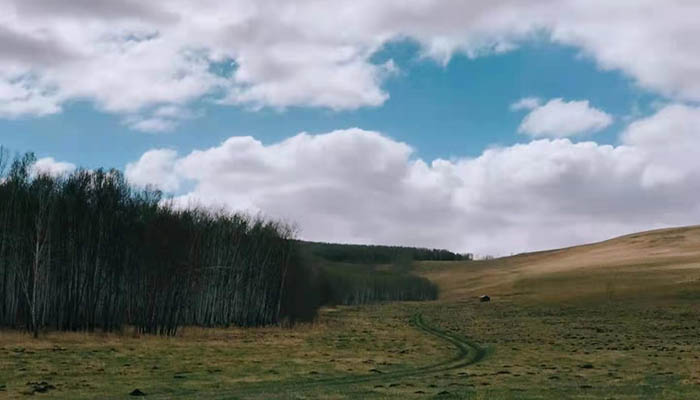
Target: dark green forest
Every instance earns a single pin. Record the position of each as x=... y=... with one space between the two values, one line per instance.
x=358 y=278
x=87 y=251
x=375 y=254
x=355 y=285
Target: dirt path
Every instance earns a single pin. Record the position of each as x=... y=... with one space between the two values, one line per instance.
x=467 y=353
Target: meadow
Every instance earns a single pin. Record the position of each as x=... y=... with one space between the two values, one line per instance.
x=613 y=320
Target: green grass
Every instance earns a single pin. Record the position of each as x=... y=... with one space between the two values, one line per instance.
x=633 y=347
x=619 y=330
x=346 y=342
x=629 y=348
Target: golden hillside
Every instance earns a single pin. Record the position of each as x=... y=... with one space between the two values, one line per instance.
x=659 y=261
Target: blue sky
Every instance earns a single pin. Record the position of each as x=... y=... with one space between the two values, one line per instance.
x=488 y=126
x=442 y=111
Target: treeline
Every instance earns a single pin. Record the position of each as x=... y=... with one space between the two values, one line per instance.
x=352 y=286
x=372 y=254
x=87 y=251
x=343 y=283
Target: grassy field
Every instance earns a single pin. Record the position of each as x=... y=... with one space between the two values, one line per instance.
x=614 y=320
x=346 y=342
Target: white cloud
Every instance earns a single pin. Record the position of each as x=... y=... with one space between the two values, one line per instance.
x=652 y=44
x=154 y=168
x=526 y=103
x=129 y=56
x=23 y=96
x=361 y=186
x=49 y=166
x=162 y=119
x=152 y=125
x=670 y=139
x=559 y=118
x=173 y=112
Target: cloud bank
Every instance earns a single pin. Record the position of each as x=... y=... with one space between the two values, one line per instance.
x=360 y=186
x=150 y=61
x=279 y=54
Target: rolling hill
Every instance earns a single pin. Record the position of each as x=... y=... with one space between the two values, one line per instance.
x=657 y=262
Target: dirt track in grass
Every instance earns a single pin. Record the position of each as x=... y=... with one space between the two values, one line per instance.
x=467 y=353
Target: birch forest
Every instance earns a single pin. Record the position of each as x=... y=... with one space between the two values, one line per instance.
x=86 y=251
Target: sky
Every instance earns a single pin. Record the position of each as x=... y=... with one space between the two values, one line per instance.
x=492 y=127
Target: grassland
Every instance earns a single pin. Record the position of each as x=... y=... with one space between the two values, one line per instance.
x=351 y=341
x=614 y=320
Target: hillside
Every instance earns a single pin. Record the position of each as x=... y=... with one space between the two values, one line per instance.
x=666 y=258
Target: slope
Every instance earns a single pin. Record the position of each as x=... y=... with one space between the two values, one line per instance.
x=648 y=261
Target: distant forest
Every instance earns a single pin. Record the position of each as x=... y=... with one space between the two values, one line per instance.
x=87 y=251
x=374 y=254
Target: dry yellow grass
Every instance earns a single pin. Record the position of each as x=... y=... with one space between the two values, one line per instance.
x=640 y=261
x=615 y=319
